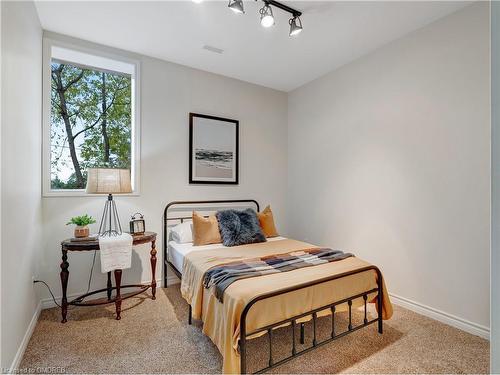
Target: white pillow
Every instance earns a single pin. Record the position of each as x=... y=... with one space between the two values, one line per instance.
x=182 y=233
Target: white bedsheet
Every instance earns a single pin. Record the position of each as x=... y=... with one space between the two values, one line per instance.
x=177 y=251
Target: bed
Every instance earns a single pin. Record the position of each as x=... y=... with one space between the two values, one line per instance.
x=257 y=306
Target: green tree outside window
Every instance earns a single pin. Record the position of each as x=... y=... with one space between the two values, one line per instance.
x=91 y=122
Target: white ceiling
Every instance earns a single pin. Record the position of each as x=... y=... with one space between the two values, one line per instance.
x=334 y=33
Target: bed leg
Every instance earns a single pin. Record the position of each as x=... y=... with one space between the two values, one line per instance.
x=165 y=254
x=380 y=322
x=243 y=347
x=302 y=335
x=379 y=302
x=190 y=317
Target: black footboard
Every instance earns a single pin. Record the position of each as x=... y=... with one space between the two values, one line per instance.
x=293 y=320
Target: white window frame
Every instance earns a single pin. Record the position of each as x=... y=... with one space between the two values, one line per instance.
x=48 y=43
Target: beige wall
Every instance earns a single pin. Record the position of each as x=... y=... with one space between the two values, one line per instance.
x=168 y=93
x=389 y=158
x=20 y=160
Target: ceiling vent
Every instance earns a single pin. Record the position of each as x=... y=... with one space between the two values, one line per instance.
x=213 y=49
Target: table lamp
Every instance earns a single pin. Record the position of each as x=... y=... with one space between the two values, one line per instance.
x=109 y=181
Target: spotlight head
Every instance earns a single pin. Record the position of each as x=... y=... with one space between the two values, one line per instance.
x=295 y=26
x=236 y=6
x=266 y=16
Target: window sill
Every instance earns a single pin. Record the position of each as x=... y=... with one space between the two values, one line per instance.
x=81 y=194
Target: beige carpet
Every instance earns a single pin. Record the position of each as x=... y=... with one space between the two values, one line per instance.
x=154 y=337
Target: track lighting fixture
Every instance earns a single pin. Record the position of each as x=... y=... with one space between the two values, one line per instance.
x=236 y=6
x=266 y=16
x=295 y=25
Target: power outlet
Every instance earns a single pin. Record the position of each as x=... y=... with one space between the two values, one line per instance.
x=33 y=279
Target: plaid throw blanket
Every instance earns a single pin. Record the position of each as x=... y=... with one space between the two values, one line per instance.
x=223 y=276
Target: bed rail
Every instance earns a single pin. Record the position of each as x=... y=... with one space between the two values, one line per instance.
x=190 y=205
x=293 y=320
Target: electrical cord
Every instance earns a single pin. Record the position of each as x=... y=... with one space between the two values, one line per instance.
x=88 y=285
x=50 y=291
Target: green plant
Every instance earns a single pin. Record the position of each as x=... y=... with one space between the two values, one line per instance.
x=82 y=221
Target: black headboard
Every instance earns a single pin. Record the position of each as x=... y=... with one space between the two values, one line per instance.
x=190 y=205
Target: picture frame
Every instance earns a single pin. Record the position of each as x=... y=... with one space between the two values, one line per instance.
x=213 y=150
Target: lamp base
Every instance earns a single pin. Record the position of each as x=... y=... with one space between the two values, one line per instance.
x=110 y=222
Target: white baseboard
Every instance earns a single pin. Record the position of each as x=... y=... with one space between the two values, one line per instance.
x=454 y=321
x=48 y=303
x=26 y=339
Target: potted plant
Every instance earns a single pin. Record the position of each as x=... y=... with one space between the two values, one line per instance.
x=81 y=222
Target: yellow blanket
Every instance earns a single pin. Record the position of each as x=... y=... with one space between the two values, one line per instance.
x=221 y=321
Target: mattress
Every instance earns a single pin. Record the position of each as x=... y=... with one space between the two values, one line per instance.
x=177 y=251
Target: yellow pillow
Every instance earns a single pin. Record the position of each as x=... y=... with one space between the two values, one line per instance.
x=205 y=230
x=266 y=221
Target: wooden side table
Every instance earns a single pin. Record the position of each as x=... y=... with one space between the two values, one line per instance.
x=68 y=245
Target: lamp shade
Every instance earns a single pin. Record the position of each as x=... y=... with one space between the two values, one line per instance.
x=108 y=181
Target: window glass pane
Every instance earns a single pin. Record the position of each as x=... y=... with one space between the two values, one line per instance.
x=90 y=122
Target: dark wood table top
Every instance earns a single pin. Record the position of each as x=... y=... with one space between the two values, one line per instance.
x=94 y=245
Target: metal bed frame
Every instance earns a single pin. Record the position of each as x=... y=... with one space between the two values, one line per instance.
x=244 y=335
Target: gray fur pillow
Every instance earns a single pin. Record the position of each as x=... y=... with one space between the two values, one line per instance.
x=239 y=227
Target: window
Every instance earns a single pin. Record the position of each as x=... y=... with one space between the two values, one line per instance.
x=90 y=116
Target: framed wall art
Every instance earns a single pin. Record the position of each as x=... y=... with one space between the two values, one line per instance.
x=213 y=150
